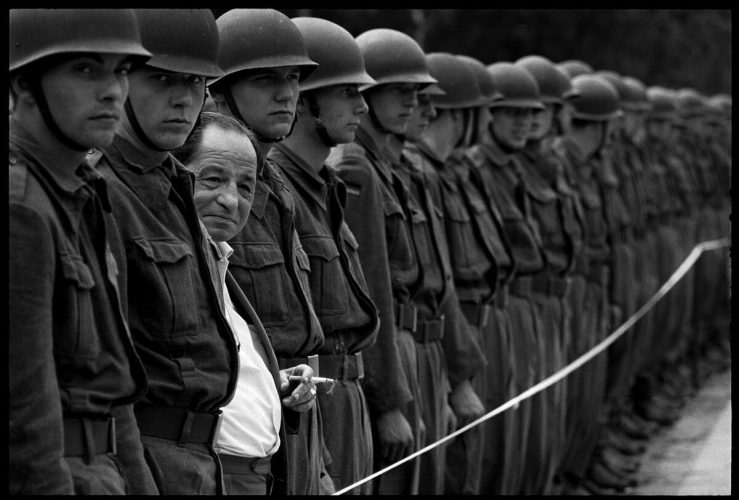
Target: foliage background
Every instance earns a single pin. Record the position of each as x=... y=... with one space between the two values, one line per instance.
x=674 y=48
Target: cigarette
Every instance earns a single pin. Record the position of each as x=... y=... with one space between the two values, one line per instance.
x=316 y=380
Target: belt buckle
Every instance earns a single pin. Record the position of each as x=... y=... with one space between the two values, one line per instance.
x=442 y=320
x=415 y=317
x=216 y=430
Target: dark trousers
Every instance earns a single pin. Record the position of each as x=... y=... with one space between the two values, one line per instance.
x=247 y=476
x=190 y=469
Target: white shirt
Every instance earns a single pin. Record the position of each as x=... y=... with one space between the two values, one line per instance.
x=250 y=425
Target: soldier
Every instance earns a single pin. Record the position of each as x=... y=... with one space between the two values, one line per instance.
x=175 y=307
x=74 y=374
x=561 y=238
x=594 y=105
x=221 y=155
x=328 y=114
x=393 y=417
x=435 y=148
x=260 y=89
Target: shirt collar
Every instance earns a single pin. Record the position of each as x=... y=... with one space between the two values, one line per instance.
x=495 y=154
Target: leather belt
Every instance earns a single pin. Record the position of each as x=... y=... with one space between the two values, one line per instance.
x=430 y=331
x=232 y=464
x=550 y=284
x=178 y=424
x=521 y=286
x=87 y=437
x=501 y=296
x=406 y=317
x=477 y=314
x=342 y=366
x=311 y=360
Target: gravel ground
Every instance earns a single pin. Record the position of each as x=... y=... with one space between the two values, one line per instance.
x=693 y=457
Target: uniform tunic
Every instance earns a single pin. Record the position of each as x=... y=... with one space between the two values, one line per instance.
x=71 y=354
x=343 y=306
x=175 y=310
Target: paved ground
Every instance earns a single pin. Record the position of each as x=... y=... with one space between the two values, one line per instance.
x=693 y=457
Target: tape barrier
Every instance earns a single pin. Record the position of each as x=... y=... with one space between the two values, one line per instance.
x=556 y=377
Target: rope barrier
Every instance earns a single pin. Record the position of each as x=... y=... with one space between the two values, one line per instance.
x=676 y=276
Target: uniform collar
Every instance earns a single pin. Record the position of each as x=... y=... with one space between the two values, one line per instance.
x=495 y=154
x=302 y=175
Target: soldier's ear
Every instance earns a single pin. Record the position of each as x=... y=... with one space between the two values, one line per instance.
x=302 y=106
x=21 y=88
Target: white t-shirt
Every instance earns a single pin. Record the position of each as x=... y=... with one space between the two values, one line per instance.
x=250 y=425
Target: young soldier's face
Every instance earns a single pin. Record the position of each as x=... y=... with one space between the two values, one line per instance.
x=166 y=104
x=393 y=104
x=225 y=166
x=422 y=116
x=86 y=95
x=541 y=122
x=340 y=108
x=267 y=99
x=511 y=126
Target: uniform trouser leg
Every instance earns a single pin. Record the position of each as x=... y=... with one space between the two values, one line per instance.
x=588 y=402
x=577 y=316
x=550 y=339
x=404 y=480
x=465 y=452
x=523 y=350
x=434 y=384
x=500 y=432
x=347 y=433
x=189 y=469
x=623 y=293
x=304 y=454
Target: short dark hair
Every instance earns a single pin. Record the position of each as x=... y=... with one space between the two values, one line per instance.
x=185 y=152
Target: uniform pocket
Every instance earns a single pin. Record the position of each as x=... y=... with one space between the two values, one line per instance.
x=259 y=269
x=77 y=335
x=163 y=286
x=328 y=286
x=467 y=258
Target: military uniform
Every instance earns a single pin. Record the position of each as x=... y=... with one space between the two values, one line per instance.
x=70 y=347
x=176 y=316
x=374 y=213
x=343 y=306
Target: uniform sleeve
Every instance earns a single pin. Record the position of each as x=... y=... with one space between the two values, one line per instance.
x=35 y=439
x=384 y=384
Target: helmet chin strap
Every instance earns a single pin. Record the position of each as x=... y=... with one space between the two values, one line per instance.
x=138 y=130
x=237 y=114
x=320 y=127
x=43 y=106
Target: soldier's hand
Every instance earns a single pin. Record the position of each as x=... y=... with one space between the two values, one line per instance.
x=396 y=435
x=297 y=395
x=465 y=403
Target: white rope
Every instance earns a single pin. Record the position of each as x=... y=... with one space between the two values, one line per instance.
x=556 y=377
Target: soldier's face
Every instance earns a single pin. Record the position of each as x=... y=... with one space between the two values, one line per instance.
x=86 y=94
x=267 y=99
x=511 y=126
x=340 y=108
x=393 y=104
x=541 y=122
x=422 y=116
x=225 y=166
x=166 y=104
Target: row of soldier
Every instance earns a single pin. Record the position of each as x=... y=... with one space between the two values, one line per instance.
x=293 y=257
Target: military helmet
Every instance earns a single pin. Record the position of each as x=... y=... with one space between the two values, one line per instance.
x=596 y=99
x=391 y=56
x=575 y=67
x=617 y=82
x=484 y=80
x=181 y=40
x=456 y=79
x=516 y=87
x=260 y=38
x=553 y=83
x=721 y=102
x=336 y=52
x=38 y=33
x=689 y=101
x=663 y=102
x=637 y=94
